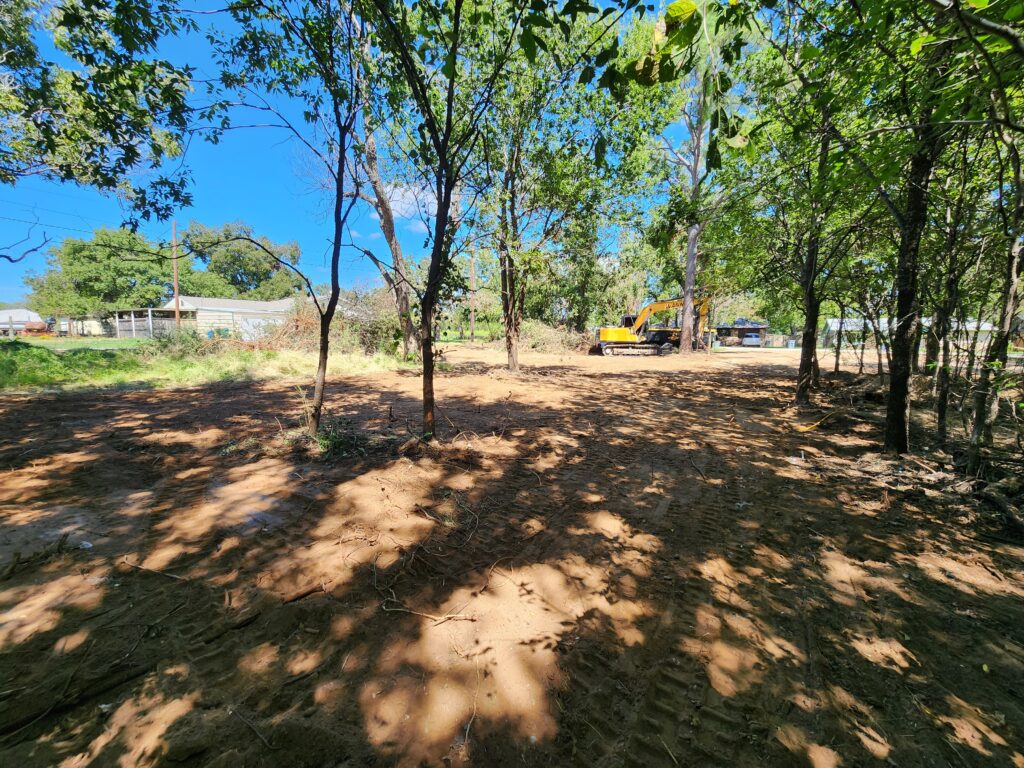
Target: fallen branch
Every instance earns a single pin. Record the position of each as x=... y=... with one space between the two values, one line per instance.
x=699 y=472
x=399 y=608
x=153 y=570
x=298 y=594
x=253 y=728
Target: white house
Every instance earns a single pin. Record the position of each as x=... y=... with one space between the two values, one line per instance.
x=241 y=317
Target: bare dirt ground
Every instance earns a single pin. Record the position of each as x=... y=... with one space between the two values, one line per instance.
x=605 y=562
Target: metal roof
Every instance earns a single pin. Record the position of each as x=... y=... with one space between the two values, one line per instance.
x=18 y=316
x=279 y=307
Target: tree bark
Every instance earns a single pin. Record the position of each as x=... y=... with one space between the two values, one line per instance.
x=689 y=290
x=839 y=337
x=327 y=314
x=986 y=393
x=808 y=340
x=395 y=276
x=932 y=343
x=472 y=296
x=915 y=216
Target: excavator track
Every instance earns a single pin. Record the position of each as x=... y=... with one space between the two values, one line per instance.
x=635 y=349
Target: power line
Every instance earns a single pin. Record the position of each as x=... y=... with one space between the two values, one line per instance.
x=33 y=207
x=43 y=224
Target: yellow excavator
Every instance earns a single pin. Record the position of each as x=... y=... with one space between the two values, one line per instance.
x=637 y=336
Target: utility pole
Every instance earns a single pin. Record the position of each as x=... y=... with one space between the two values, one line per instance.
x=174 y=263
x=472 y=295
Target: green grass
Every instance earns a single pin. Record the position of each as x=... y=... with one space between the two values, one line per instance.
x=29 y=366
x=80 y=342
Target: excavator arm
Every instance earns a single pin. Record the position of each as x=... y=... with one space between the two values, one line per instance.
x=700 y=306
x=650 y=309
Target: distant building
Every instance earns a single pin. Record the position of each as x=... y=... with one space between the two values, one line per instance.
x=240 y=317
x=854 y=328
x=15 y=321
x=732 y=333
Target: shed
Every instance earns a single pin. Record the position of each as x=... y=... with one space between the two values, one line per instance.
x=240 y=317
x=13 y=321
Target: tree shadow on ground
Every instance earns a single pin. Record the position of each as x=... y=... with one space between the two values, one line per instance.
x=642 y=567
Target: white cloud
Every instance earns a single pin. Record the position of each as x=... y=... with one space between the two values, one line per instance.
x=409 y=202
x=417 y=226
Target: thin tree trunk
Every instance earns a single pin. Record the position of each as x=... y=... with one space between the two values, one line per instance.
x=942 y=389
x=472 y=296
x=839 y=337
x=863 y=347
x=327 y=315
x=932 y=342
x=986 y=393
x=878 y=347
x=915 y=357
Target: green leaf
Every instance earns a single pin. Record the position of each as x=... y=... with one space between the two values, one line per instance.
x=1015 y=12
x=529 y=45
x=586 y=75
x=680 y=12
x=917 y=44
x=448 y=69
x=607 y=54
x=739 y=141
x=978 y=3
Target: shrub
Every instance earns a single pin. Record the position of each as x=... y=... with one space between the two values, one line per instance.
x=186 y=343
x=537 y=336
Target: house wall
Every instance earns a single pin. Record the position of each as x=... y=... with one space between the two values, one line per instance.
x=245 y=325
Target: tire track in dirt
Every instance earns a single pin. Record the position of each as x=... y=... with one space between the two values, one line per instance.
x=681 y=719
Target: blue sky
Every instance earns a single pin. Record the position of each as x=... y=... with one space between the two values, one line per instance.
x=256 y=175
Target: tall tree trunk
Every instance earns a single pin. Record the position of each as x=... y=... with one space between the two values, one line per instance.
x=439 y=257
x=689 y=290
x=915 y=216
x=511 y=305
x=808 y=340
x=395 y=276
x=513 y=281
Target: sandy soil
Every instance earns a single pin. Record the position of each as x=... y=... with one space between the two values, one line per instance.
x=606 y=562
